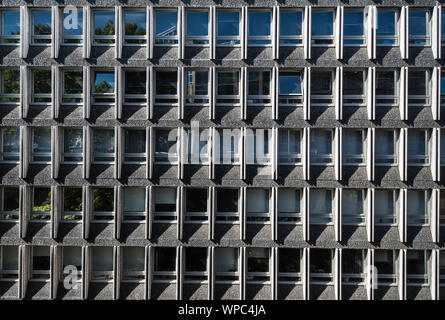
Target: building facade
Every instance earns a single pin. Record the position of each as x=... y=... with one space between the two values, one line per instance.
x=222 y=150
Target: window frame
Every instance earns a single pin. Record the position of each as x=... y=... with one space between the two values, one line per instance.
x=78 y=97
x=35 y=37
x=4 y=36
x=386 y=217
x=11 y=275
x=101 y=276
x=126 y=37
x=128 y=155
x=259 y=100
x=134 y=99
x=259 y=218
x=426 y=157
x=3 y=213
x=396 y=36
x=72 y=37
x=47 y=97
x=386 y=98
x=232 y=218
x=422 y=220
x=40 y=216
x=160 y=276
x=323 y=100
x=8 y=96
x=290 y=218
x=322 y=278
x=265 y=38
x=111 y=155
x=40 y=154
x=297 y=38
x=4 y=154
x=360 y=218
x=235 y=40
x=95 y=39
x=415 y=100
x=203 y=158
x=253 y=157
x=427 y=36
x=355 y=100
x=39 y=275
x=168 y=158
x=295 y=158
x=165 y=100
x=361 y=277
x=293 y=99
x=314 y=159
x=110 y=215
x=228 y=100
x=194 y=100
x=325 y=219
x=158 y=215
x=193 y=217
x=346 y=158
x=222 y=155
x=166 y=39
x=394 y=156
x=140 y=217
x=103 y=98
x=360 y=38
x=329 y=39
x=228 y=277
x=73 y=154
x=413 y=279
x=259 y=277
x=78 y=215
x=190 y=41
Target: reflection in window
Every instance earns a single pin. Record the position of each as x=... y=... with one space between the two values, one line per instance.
x=419 y=27
x=135 y=25
x=289 y=205
x=353 y=266
x=353 y=206
x=9 y=85
x=227 y=205
x=10 y=27
x=135 y=146
x=41 y=27
x=290 y=88
x=197 y=29
x=386 y=32
x=72 y=84
x=321 y=271
x=385 y=207
x=289 y=151
x=322 y=28
x=103 y=87
x=259 y=29
x=103 y=205
x=41 y=204
x=385 y=147
x=72 y=27
x=166 y=24
x=386 y=88
x=417 y=207
x=418 y=151
x=320 y=206
x=291 y=32
x=258 y=267
x=102 y=264
x=197 y=87
x=41 y=86
x=72 y=204
x=258 y=205
x=9 y=263
x=226 y=265
x=353 y=147
x=41 y=145
x=259 y=87
x=9 y=203
x=72 y=145
x=228 y=88
x=134 y=204
x=10 y=145
x=103 y=145
x=228 y=23
x=104 y=29
x=353 y=28
x=164 y=205
x=166 y=147
x=133 y=264
x=418 y=88
x=385 y=262
x=321 y=147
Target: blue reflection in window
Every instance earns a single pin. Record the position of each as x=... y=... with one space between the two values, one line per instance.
x=443 y=23
x=104 y=82
x=290 y=23
x=417 y=23
x=73 y=29
x=289 y=84
x=197 y=23
x=101 y=18
x=442 y=85
x=135 y=22
x=11 y=23
x=166 y=23
x=386 y=23
x=259 y=23
x=228 y=23
x=323 y=23
x=353 y=23
x=42 y=22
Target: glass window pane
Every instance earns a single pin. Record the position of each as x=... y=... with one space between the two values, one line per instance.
x=321 y=142
x=384 y=202
x=289 y=201
x=11 y=22
x=195 y=259
x=11 y=199
x=11 y=140
x=321 y=83
x=196 y=200
x=353 y=83
x=103 y=141
x=228 y=23
x=11 y=81
x=135 y=23
x=42 y=140
x=352 y=202
x=134 y=259
x=135 y=82
x=353 y=142
x=10 y=258
x=290 y=83
x=72 y=141
x=104 y=23
x=165 y=259
x=102 y=259
x=386 y=23
x=166 y=82
x=259 y=82
x=290 y=23
x=384 y=142
x=73 y=82
x=320 y=201
x=257 y=200
x=103 y=199
x=197 y=23
x=416 y=202
x=416 y=143
x=227 y=200
x=135 y=141
x=417 y=83
x=166 y=23
x=72 y=199
x=41 y=199
x=226 y=259
x=134 y=199
x=42 y=81
x=385 y=83
x=418 y=23
x=165 y=199
x=70 y=27
x=103 y=82
x=322 y=23
x=197 y=82
x=228 y=83
x=259 y=23
x=353 y=23
x=42 y=22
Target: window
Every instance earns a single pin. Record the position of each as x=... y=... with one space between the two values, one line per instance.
x=103 y=205
x=259 y=29
x=259 y=88
x=10 y=86
x=9 y=27
x=442 y=208
x=289 y=266
x=353 y=147
x=72 y=27
x=41 y=86
x=323 y=27
x=10 y=205
x=41 y=145
x=41 y=204
x=134 y=204
x=9 y=263
x=258 y=206
x=418 y=88
x=72 y=204
x=10 y=145
x=135 y=146
x=353 y=266
x=102 y=264
x=385 y=147
x=289 y=149
x=289 y=211
x=166 y=27
x=385 y=207
x=196 y=210
x=229 y=140
x=385 y=262
x=226 y=265
x=320 y=206
x=442 y=147
x=72 y=87
x=418 y=149
x=228 y=28
x=419 y=27
x=103 y=87
x=442 y=89
x=197 y=28
x=133 y=264
x=291 y=31
x=258 y=147
x=41 y=28
x=321 y=266
x=387 y=27
x=104 y=29
x=353 y=211
x=418 y=207
x=197 y=87
x=417 y=267
x=164 y=205
x=40 y=263
x=71 y=257
x=72 y=145
x=354 y=88
x=321 y=147
x=321 y=88
x=442 y=31
x=227 y=207
x=228 y=88
x=354 y=28
x=135 y=23
x=103 y=146
x=166 y=149
x=166 y=84
x=135 y=88
x=386 y=92
x=258 y=265
x=290 y=88
x=164 y=265
x=195 y=265
x=197 y=151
